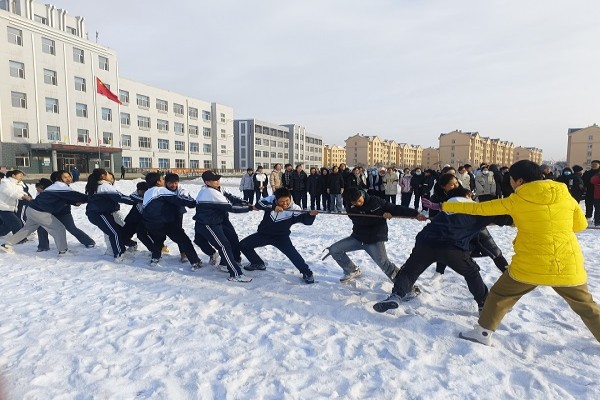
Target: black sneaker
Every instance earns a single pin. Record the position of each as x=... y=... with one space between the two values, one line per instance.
x=255 y=267
x=39 y=250
x=90 y=246
x=308 y=277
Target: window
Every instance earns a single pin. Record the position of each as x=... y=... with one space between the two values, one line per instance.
x=143 y=101
x=126 y=140
x=224 y=149
x=280 y=144
x=223 y=134
x=265 y=154
x=15 y=36
x=106 y=114
x=257 y=129
x=163 y=144
x=179 y=146
x=81 y=110
x=179 y=127
x=194 y=164
x=144 y=142
x=124 y=96
x=179 y=163
x=107 y=138
x=145 y=162
x=125 y=119
x=20 y=129
x=207 y=164
x=589 y=153
x=40 y=19
x=273 y=155
x=48 y=46
x=206 y=148
x=178 y=109
x=127 y=162
x=80 y=84
x=51 y=105
x=257 y=141
x=257 y=153
x=206 y=115
x=164 y=163
x=162 y=105
x=206 y=132
x=53 y=133
x=18 y=99
x=589 y=146
x=71 y=30
x=22 y=160
x=162 y=125
x=223 y=118
x=273 y=143
x=193 y=112
x=103 y=63
x=279 y=155
x=78 y=55
x=286 y=145
x=193 y=130
x=83 y=136
x=17 y=69
x=591 y=137
x=194 y=147
x=143 y=122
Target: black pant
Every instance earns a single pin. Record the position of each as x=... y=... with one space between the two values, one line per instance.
x=249 y=196
x=485 y=197
x=280 y=242
x=391 y=198
x=9 y=222
x=219 y=238
x=589 y=203
x=67 y=221
x=175 y=232
x=260 y=194
x=137 y=227
x=423 y=255
x=405 y=199
x=106 y=223
x=300 y=197
x=315 y=199
x=326 y=201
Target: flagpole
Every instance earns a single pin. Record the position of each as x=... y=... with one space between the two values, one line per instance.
x=96 y=117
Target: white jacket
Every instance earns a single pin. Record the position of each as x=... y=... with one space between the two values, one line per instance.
x=10 y=194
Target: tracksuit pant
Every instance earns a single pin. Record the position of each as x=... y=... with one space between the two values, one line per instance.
x=9 y=222
x=218 y=236
x=280 y=242
x=175 y=232
x=49 y=222
x=106 y=223
x=376 y=250
x=69 y=223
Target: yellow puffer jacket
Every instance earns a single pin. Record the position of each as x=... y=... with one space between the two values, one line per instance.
x=546 y=248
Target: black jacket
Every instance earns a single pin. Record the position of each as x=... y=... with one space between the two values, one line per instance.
x=335 y=183
x=439 y=196
x=370 y=229
x=324 y=180
x=315 y=184
x=299 y=181
x=279 y=223
x=286 y=179
x=162 y=206
x=507 y=190
x=57 y=199
x=574 y=184
x=416 y=183
x=589 y=188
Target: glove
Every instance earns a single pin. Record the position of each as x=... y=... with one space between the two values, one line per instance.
x=429 y=204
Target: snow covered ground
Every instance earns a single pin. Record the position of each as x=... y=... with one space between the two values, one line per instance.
x=82 y=327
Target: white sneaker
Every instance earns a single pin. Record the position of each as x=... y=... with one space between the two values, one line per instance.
x=436 y=279
x=478 y=334
x=7 y=248
x=214 y=259
x=154 y=262
x=351 y=276
x=223 y=268
x=240 y=278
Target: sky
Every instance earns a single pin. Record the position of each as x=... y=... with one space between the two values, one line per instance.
x=405 y=70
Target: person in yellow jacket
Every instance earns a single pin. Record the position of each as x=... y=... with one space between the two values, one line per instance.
x=547 y=252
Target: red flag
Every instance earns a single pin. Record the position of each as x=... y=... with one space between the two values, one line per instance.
x=104 y=91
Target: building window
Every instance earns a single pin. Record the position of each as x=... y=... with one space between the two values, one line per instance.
x=81 y=110
x=15 y=36
x=20 y=129
x=178 y=127
x=144 y=142
x=206 y=115
x=206 y=148
x=589 y=153
x=179 y=163
x=223 y=119
x=207 y=164
x=590 y=146
x=162 y=125
x=273 y=155
x=71 y=30
x=265 y=154
x=48 y=46
x=80 y=84
x=22 y=160
x=78 y=55
x=163 y=144
x=125 y=119
x=126 y=140
x=106 y=114
x=206 y=132
x=193 y=112
x=124 y=96
x=107 y=138
x=178 y=109
x=127 y=162
x=193 y=130
x=224 y=149
x=279 y=155
x=83 y=136
x=179 y=145
x=257 y=141
x=257 y=129
x=103 y=63
x=194 y=147
x=51 y=105
x=143 y=101
x=591 y=137
x=195 y=164
x=53 y=133
x=17 y=69
x=162 y=105
x=164 y=163
x=18 y=99
x=145 y=162
x=257 y=153
x=143 y=122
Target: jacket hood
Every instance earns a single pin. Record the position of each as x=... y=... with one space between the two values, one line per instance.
x=543 y=192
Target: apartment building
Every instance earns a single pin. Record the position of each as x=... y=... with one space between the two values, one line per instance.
x=431 y=158
x=333 y=155
x=457 y=148
x=583 y=146
x=306 y=148
x=51 y=116
x=528 y=153
x=373 y=151
x=409 y=156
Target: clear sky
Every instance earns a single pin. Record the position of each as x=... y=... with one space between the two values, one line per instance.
x=408 y=70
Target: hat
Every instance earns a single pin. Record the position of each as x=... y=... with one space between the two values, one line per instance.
x=382 y=169
x=577 y=168
x=210 y=176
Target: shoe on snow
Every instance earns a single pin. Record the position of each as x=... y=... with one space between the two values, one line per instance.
x=154 y=262
x=196 y=266
x=223 y=268
x=478 y=335
x=392 y=302
x=240 y=278
x=214 y=258
x=255 y=267
x=7 y=248
x=308 y=277
x=351 y=276
x=183 y=258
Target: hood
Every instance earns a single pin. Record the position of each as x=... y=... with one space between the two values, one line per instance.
x=543 y=192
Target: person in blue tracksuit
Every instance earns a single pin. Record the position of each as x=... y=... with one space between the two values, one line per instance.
x=103 y=200
x=213 y=225
x=134 y=222
x=280 y=214
x=162 y=218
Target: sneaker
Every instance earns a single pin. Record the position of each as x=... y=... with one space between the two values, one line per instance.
x=154 y=262
x=183 y=258
x=7 y=248
x=240 y=278
x=255 y=267
x=478 y=334
x=90 y=246
x=214 y=259
x=165 y=250
x=39 y=250
x=119 y=259
x=392 y=302
x=308 y=277
x=436 y=279
x=197 y=266
x=351 y=276
x=23 y=241
x=62 y=253
x=223 y=268
x=132 y=249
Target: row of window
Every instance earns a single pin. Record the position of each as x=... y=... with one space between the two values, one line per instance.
x=17 y=70
x=272 y=143
x=265 y=154
x=271 y=131
x=165 y=163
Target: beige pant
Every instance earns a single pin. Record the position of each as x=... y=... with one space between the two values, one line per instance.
x=49 y=222
x=506 y=292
